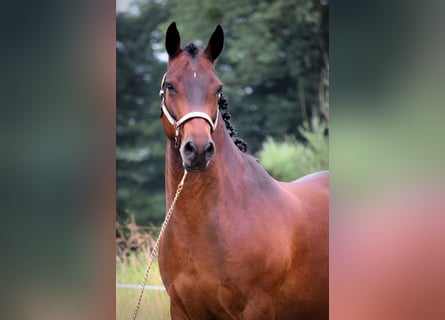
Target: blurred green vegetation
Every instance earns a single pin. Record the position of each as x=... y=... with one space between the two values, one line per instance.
x=290 y=159
x=274 y=68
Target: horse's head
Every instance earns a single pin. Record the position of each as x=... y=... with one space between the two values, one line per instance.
x=190 y=91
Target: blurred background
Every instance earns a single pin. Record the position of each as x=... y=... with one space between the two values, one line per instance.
x=275 y=70
x=59 y=125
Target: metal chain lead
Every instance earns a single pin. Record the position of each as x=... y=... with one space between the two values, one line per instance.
x=155 y=249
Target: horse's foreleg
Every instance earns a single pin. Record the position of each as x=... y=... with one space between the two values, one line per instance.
x=176 y=313
x=259 y=308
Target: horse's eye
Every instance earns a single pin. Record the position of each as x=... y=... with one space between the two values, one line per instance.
x=219 y=93
x=169 y=87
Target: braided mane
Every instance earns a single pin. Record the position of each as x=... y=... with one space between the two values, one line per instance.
x=223 y=106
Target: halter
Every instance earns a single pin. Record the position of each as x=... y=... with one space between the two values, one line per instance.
x=178 y=123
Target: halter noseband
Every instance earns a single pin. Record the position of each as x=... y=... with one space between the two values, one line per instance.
x=178 y=123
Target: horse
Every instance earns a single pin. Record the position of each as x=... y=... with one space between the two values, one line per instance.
x=239 y=244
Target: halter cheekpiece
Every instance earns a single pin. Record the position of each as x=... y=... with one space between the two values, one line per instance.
x=178 y=123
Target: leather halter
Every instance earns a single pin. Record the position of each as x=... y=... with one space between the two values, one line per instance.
x=178 y=123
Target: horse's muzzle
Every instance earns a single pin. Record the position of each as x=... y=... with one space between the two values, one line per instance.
x=196 y=158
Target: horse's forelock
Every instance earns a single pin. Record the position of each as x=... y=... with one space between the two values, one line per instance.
x=191 y=49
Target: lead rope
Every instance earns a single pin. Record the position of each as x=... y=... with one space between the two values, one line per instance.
x=155 y=249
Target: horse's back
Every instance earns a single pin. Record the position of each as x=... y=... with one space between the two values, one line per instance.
x=311 y=189
x=319 y=180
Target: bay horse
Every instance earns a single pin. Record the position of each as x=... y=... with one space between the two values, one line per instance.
x=240 y=244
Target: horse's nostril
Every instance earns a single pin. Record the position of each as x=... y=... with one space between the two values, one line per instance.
x=209 y=150
x=190 y=148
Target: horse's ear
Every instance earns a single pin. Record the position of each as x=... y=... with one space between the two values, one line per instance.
x=172 y=40
x=215 y=44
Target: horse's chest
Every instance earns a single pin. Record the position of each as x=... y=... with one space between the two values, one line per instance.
x=194 y=289
x=195 y=276
x=186 y=256
x=202 y=294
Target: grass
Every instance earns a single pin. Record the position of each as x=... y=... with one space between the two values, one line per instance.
x=154 y=305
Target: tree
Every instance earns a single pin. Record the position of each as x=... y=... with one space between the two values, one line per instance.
x=139 y=138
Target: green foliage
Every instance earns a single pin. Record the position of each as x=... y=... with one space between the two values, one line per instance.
x=290 y=159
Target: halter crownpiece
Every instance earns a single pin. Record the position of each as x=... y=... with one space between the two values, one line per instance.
x=178 y=123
